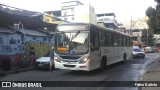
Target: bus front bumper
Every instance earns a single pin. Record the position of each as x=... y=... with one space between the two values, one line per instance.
x=71 y=66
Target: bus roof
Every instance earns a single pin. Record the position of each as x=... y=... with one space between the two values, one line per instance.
x=97 y=26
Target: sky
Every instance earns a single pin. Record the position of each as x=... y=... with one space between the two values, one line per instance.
x=123 y=9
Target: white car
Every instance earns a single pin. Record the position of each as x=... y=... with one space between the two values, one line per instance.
x=149 y=49
x=43 y=62
x=137 y=52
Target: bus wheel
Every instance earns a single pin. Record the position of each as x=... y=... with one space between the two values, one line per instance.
x=103 y=64
x=124 y=58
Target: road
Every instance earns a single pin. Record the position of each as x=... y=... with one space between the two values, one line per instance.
x=132 y=70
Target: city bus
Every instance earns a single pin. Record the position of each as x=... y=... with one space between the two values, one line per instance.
x=81 y=46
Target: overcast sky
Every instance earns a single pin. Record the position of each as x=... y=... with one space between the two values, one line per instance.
x=123 y=9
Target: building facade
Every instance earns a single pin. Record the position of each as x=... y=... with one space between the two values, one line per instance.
x=68 y=10
x=76 y=12
x=107 y=20
x=12 y=43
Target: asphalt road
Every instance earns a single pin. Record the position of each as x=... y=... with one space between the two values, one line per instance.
x=133 y=70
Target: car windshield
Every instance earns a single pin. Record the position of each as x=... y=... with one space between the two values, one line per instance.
x=137 y=50
x=72 y=42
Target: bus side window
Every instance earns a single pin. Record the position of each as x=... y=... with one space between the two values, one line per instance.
x=115 y=39
x=109 y=39
x=94 y=39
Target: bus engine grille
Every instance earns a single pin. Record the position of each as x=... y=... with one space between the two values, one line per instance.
x=70 y=57
x=72 y=66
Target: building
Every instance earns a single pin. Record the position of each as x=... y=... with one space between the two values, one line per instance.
x=19 y=31
x=68 y=10
x=123 y=30
x=136 y=36
x=11 y=41
x=85 y=14
x=76 y=12
x=107 y=20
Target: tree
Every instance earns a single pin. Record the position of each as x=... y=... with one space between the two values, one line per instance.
x=158 y=1
x=154 y=18
x=152 y=21
x=147 y=40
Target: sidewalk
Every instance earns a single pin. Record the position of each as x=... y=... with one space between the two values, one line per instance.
x=152 y=74
x=15 y=70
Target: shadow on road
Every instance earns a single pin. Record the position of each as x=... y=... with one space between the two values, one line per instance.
x=93 y=72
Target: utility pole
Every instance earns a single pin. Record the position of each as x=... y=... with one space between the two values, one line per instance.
x=147 y=37
x=131 y=26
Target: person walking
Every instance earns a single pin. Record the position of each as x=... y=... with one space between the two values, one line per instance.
x=51 y=59
x=32 y=56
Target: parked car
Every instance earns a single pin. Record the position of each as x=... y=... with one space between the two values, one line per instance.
x=149 y=49
x=137 y=52
x=43 y=62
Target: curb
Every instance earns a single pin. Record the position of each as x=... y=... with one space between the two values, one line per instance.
x=16 y=71
x=150 y=69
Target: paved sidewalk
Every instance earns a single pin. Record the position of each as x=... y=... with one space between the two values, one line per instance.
x=15 y=70
x=152 y=74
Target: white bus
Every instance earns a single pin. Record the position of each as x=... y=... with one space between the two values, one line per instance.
x=80 y=46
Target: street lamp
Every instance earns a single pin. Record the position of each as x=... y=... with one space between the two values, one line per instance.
x=17 y=27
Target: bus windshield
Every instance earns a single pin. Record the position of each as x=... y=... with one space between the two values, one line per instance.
x=72 y=42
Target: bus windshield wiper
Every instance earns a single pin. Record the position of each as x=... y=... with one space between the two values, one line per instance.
x=73 y=37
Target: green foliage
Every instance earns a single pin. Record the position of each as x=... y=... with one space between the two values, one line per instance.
x=150 y=12
x=154 y=19
x=147 y=39
x=41 y=48
x=158 y=1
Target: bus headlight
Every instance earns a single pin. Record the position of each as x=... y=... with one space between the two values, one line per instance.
x=84 y=60
x=57 y=59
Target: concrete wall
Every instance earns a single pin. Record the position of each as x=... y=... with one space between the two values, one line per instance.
x=11 y=44
x=85 y=14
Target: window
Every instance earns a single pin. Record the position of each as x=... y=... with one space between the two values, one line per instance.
x=119 y=40
x=115 y=39
x=65 y=13
x=128 y=41
x=94 y=39
x=124 y=41
x=109 y=39
x=65 y=18
x=34 y=37
x=72 y=18
x=106 y=39
x=72 y=10
x=102 y=38
x=44 y=38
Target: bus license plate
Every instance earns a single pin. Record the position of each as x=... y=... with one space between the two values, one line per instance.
x=40 y=64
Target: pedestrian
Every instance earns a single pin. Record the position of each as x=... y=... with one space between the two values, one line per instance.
x=51 y=59
x=32 y=54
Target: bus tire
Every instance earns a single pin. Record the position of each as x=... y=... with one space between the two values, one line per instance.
x=124 y=58
x=103 y=64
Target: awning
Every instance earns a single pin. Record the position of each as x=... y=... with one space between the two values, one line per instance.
x=26 y=31
x=32 y=32
x=6 y=30
x=8 y=19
